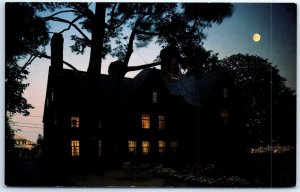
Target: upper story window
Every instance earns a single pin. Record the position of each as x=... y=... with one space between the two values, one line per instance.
x=161 y=121
x=225 y=92
x=145 y=121
x=74 y=121
x=154 y=97
x=132 y=146
x=146 y=147
x=47 y=101
x=162 y=146
x=224 y=117
x=75 y=148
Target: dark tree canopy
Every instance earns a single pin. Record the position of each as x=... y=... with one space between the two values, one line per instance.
x=25 y=34
x=265 y=98
x=172 y=24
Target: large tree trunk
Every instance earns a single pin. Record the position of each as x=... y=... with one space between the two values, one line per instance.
x=98 y=27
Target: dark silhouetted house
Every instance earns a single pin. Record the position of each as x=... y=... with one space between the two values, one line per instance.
x=155 y=117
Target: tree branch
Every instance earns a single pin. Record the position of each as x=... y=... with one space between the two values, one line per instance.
x=66 y=11
x=131 y=39
x=135 y=68
x=72 y=22
x=66 y=63
x=34 y=56
x=147 y=33
x=69 y=22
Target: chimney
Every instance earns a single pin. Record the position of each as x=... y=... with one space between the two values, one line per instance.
x=57 y=43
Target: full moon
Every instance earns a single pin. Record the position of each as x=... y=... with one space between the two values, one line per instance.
x=256 y=37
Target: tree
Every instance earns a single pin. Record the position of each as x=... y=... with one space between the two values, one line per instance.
x=169 y=23
x=264 y=97
x=25 y=34
x=23 y=37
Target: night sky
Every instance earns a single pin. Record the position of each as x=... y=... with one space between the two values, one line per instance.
x=276 y=23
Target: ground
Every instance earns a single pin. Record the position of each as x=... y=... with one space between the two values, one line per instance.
x=28 y=172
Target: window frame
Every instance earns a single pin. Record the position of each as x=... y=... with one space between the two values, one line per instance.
x=154 y=97
x=132 y=146
x=146 y=147
x=75 y=121
x=162 y=146
x=161 y=121
x=75 y=148
x=146 y=121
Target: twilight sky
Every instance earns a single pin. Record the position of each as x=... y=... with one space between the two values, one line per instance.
x=276 y=23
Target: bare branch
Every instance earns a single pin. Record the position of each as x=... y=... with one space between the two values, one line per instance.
x=147 y=33
x=112 y=15
x=69 y=22
x=28 y=62
x=66 y=11
x=66 y=63
x=135 y=68
x=72 y=22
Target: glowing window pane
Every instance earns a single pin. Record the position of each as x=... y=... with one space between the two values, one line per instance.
x=154 y=97
x=161 y=146
x=74 y=121
x=161 y=121
x=145 y=147
x=75 y=148
x=145 y=121
x=224 y=117
x=132 y=146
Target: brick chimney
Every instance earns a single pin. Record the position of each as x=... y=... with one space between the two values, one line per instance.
x=57 y=43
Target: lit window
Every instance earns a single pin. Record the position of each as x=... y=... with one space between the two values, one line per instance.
x=75 y=148
x=154 y=97
x=132 y=146
x=173 y=145
x=161 y=146
x=225 y=92
x=224 y=117
x=145 y=121
x=145 y=147
x=100 y=148
x=161 y=121
x=74 y=121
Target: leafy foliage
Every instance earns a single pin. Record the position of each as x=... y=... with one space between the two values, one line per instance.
x=25 y=34
x=263 y=96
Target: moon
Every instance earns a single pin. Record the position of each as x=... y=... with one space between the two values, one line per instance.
x=256 y=37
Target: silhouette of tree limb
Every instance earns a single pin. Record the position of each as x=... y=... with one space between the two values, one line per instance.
x=131 y=39
x=148 y=33
x=34 y=56
x=65 y=11
x=69 y=22
x=135 y=68
x=64 y=62
x=72 y=22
